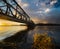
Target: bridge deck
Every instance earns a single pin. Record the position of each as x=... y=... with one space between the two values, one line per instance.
x=6 y=17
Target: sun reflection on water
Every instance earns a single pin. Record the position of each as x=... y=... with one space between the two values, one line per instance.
x=7 y=31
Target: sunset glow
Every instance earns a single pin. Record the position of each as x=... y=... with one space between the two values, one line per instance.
x=6 y=22
x=0 y=23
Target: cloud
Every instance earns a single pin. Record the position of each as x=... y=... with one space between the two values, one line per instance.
x=42 y=9
x=22 y=4
x=38 y=12
x=47 y=10
x=54 y=15
x=53 y=2
x=25 y=5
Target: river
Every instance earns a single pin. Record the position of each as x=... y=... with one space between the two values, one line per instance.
x=22 y=37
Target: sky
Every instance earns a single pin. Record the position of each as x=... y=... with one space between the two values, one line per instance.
x=42 y=11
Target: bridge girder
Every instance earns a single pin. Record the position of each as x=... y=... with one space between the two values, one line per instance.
x=13 y=10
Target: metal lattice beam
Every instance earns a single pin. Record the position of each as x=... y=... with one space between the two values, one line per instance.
x=13 y=10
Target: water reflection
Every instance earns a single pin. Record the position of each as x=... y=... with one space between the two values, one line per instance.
x=18 y=40
x=7 y=31
x=51 y=31
x=43 y=41
x=23 y=37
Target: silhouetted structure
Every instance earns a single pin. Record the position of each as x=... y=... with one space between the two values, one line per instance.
x=11 y=9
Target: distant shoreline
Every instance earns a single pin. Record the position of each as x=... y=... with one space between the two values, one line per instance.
x=47 y=24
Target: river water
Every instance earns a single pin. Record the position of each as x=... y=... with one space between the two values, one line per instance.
x=22 y=36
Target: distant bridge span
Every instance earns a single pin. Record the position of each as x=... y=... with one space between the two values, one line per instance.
x=13 y=11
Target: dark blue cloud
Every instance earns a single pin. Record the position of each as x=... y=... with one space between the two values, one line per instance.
x=53 y=16
x=57 y=4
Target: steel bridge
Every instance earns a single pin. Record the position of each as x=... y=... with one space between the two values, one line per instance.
x=12 y=10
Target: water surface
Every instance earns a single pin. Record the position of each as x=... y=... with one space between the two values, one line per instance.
x=23 y=36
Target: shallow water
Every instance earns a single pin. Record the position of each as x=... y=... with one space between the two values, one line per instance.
x=22 y=36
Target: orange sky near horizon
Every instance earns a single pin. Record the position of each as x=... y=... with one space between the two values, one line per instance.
x=7 y=22
x=37 y=20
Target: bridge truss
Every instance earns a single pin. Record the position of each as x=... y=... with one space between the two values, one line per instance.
x=13 y=10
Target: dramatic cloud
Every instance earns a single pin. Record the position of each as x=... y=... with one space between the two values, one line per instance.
x=47 y=10
x=53 y=2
